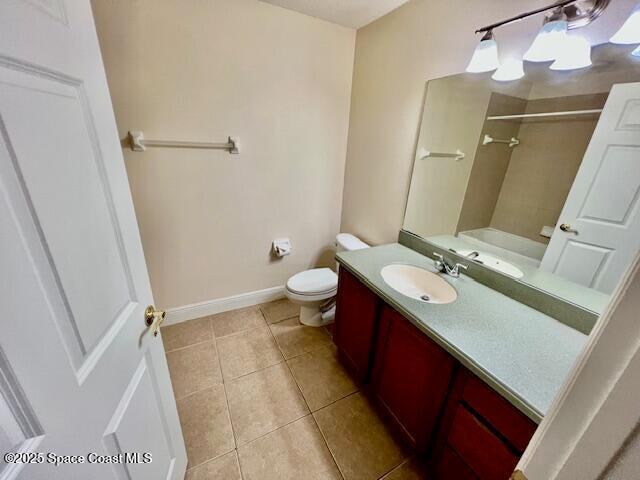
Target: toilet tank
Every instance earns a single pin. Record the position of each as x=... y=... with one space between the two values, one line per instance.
x=348 y=242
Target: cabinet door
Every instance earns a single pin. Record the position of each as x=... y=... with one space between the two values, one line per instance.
x=355 y=325
x=480 y=432
x=411 y=377
x=482 y=450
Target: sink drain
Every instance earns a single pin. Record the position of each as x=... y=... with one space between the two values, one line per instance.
x=426 y=298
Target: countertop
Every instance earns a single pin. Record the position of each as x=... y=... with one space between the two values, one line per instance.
x=522 y=353
x=573 y=292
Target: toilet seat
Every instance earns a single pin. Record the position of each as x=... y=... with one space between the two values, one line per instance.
x=315 y=290
x=319 y=283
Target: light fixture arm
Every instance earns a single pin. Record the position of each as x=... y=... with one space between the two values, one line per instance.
x=579 y=13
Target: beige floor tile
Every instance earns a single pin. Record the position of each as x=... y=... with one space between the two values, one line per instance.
x=279 y=310
x=225 y=467
x=205 y=425
x=321 y=377
x=263 y=401
x=410 y=470
x=247 y=352
x=186 y=333
x=227 y=323
x=194 y=368
x=296 y=451
x=329 y=330
x=295 y=339
x=360 y=442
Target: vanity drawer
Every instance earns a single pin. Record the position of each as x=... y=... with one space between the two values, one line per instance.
x=498 y=412
x=451 y=466
x=479 y=448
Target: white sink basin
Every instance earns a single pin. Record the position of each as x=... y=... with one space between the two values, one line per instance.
x=495 y=263
x=418 y=283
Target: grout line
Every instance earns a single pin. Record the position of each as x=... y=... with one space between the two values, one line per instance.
x=413 y=456
x=187 y=346
x=319 y=347
x=233 y=430
x=197 y=391
x=210 y=460
x=326 y=444
x=255 y=371
x=315 y=349
x=284 y=360
x=324 y=438
x=224 y=387
x=272 y=431
x=239 y=464
x=336 y=401
x=240 y=332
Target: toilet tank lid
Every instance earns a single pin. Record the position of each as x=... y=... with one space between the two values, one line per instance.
x=347 y=241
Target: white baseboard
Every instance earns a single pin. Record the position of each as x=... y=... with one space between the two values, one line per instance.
x=210 y=307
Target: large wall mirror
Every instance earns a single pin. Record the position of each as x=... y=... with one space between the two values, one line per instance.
x=538 y=179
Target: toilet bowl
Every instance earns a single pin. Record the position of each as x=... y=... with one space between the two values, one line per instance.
x=315 y=290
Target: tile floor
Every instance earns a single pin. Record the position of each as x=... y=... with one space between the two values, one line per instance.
x=261 y=396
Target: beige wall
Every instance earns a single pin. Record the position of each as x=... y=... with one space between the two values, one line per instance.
x=395 y=55
x=207 y=69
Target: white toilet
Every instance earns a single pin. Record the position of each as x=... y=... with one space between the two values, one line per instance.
x=315 y=290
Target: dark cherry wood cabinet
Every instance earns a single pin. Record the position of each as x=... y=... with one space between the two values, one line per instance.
x=481 y=435
x=411 y=377
x=355 y=325
x=464 y=428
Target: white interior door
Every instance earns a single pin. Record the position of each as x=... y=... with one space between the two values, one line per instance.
x=602 y=208
x=79 y=370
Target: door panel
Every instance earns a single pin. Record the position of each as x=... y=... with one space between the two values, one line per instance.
x=613 y=195
x=79 y=370
x=20 y=430
x=54 y=112
x=602 y=207
x=138 y=426
x=583 y=263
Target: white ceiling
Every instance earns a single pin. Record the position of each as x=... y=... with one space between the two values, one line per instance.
x=350 y=13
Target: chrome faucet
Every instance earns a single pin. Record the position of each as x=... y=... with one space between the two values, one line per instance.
x=445 y=265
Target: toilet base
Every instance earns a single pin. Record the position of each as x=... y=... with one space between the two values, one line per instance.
x=313 y=316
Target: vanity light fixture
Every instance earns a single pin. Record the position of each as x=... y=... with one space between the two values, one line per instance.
x=629 y=33
x=509 y=70
x=553 y=42
x=575 y=53
x=550 y=39
x=485 y=56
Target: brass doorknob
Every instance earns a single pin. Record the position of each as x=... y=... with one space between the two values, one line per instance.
x=565 y=227
x=153 y=319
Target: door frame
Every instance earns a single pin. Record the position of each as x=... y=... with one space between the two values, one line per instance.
x=595 y=411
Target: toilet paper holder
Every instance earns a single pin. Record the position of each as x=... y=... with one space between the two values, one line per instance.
x=281 y=247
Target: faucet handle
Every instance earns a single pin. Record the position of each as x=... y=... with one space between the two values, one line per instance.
x=438 y=256
x=460 y=265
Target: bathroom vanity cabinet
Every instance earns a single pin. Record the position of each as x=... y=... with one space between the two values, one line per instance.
x=439 y=407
